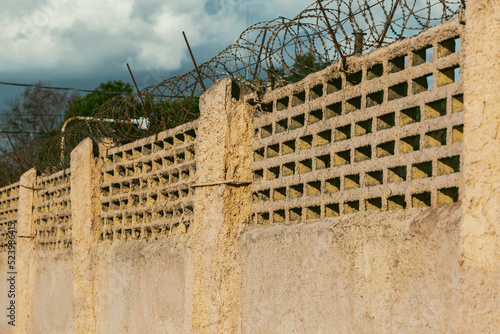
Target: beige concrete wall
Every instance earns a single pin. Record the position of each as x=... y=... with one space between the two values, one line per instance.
x=53 y=292
x=382 y=272
x=142 y=286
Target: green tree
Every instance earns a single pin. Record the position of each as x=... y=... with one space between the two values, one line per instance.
x=87 y=105
x=304 y=64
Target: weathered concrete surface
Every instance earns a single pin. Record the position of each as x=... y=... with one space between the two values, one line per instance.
x=142 y=286
x=480 y=234
x=87 y=228
x=53 y=292
x=223 y=154
x=380 y=272
x=25 y=257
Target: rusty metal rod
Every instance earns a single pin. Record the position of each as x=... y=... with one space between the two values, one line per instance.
x=136 y=87
x=335 y=42
x=194 y=62
x=388 y=23
x=260 y=53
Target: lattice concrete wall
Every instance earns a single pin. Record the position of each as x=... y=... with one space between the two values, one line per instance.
x=384 y=134
x=9 y=202
x=147 y=185
x=52 y=213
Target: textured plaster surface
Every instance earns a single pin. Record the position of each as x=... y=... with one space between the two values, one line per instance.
x=141 y=286
x=480 y=234
x=381 y=272
x=53 y=292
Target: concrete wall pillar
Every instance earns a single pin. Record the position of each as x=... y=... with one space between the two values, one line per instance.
x=25 y=259
x=222 y=205
x=85 y=211
x=480 y=231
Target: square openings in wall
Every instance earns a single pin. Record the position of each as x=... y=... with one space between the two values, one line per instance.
x=279 y=216
x=448 y=46
x=396 y=174
x=288 y=147
x=435 y=138
x=296 y=190
x=273 y=173
x=448 y=165
x=386 y=121
x=313 y=188
x=313 y=212
x=333 y=110
x=397 y=64
x=353 y=104
x=354 y=79
x=448 y=76
x=266 y=131
x=334 y=85
x=421 y=170
x=315 y=116
x=396 y=202
x=409 y=116
x=351 y=207
x=279 y=194
x=398 y=91
x=457 y=134
x=409 y=144
x=435 y=109
x=305 y=166
x=351 y=182
x=457 y=103
x=422 y=56
x=288 y=169
x=421 y=200
x=373 y=203
x=385 y=149
x=422 y=84
x=298 y=98
x=375 y=71
x=323 y=138
x=332 y=185
x=263 y=218
x=258 y=175
x=295 y=214
x=282 y=104
x=447 y=195
x=315 y=92
x=304 y=143
x=374 y=99
x=263 y=195
x=281 y=125
x=374 y=178
x=322 y=162
x=362 y=153
x=297 y=122
x=342 y=133
x=265 y=108
x=363 y=128
x=332 y=210
x=273 y=150
x=342 y=158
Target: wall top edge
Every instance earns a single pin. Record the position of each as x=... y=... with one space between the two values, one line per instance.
x=148 y=140
x=439 y=32
x=60 y=173
x=10 y=186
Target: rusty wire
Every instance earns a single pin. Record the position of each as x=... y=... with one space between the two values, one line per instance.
x=266 y=55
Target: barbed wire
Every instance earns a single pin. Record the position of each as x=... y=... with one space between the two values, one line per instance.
x=266 y=55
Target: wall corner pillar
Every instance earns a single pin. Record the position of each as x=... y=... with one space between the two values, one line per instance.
x=480 y=230
x=222 y=206
x=25 y=257
x=85 y=211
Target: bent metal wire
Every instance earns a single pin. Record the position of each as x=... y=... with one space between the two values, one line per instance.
x=266 y=55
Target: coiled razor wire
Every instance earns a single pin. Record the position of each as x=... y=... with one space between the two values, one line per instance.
x=266 y=55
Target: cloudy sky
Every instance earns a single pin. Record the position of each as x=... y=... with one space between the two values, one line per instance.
x=81 y=43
